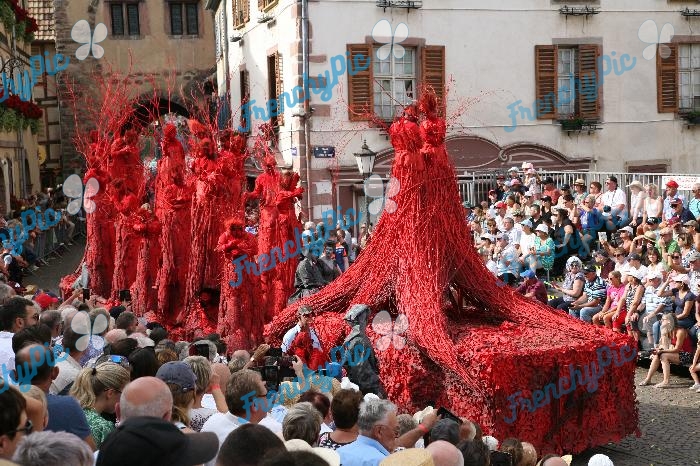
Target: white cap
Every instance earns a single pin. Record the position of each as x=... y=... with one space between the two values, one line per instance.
x=653 y=275
x=600 y=460
x=526 y=223
x=683 y=278
x=543 y=228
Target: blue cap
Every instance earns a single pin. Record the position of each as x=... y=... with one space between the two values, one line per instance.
x=527 y=274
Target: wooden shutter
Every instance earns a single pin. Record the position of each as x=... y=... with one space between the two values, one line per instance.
x=667 y=80
x=245 y=95
x=279 y=88
x=588 y=91
x=117 y=19
x=546 y=60
x=433 y=69
x=360 y=86
x=246 y=9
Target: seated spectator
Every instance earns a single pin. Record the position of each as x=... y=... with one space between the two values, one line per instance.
x=378 y=429
x=345 y=409
x=475 y=453
x=445 y=454
x=14 y=423
x=655 y=264
x=626 y=239
x=182 y=383
x=98 y=390
x=666 y=244
x=65 y=414
x=614 y=292
x=675 y=348
x=532 y=287
x=544 y=248
x=590 y=302
x=678 y=210
x=506 y=258
x=53 y=449
x=634 y=262
x=572 y=286
x=621 y=264
x=445 y=429
x=149 y=441
x=606 y=264
x=248 y=446
x=683 y=303
x=633 y=303
x=566 y=240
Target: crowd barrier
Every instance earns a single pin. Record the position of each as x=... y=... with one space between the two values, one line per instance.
x=53 y=242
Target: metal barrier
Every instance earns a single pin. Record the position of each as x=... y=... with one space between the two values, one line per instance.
x=474 y=186
x=55 y=240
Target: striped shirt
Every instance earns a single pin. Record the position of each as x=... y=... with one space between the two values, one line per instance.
x=595 y=289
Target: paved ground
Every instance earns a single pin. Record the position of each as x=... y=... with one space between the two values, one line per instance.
x=669 y=419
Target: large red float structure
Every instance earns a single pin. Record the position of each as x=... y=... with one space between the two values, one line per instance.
x=471 y=344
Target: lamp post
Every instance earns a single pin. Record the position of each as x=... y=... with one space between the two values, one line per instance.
x=365 y=163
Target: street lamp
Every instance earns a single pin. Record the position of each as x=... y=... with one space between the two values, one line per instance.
x=365 y=163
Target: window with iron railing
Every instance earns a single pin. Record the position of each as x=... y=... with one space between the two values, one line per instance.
x=266 y=5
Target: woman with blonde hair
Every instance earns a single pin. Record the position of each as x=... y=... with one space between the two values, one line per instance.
x=97 y=390
x=652 y=206
x=206 y=381
x=674 y=347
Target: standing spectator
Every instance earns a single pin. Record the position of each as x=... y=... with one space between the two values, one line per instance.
x=550 y=190
x=532 y=287
x=98 y=390
x=636 y=204
x=203 y=371
x=345 y=409
x=14 y=423
x=532 y=183
x=616 y=199
x=694 y=203
x=70 y=367
x=53 y=449
x=342 y=251
x=16 y=314
x=566 y=240
x=590 y=302
x=378 y=429
x=671 y=194
x=580 y=193
x=248 y=445
x=182 y=382
x=326 y=262
x=13 y=264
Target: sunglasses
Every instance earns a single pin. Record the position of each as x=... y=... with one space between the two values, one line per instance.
x=619 y=255
x=675 y=257
x=27 y=429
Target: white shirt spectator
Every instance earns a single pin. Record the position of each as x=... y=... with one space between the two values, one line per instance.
x=526 y=242
x=7 y=356
x=694 y=277
x=68 y=370
x=222 y=424
x=614 y=199
x=623 y=269
x=272 y=424
x=291 y=335
x=508 y=261
x=637 y=204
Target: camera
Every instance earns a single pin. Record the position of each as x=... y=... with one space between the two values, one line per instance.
x=278 y=366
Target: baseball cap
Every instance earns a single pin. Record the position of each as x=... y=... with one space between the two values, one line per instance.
x=548 y=180
x=675 y=220
x=45 y=300
x=526 y=223
x=178 y=373
x=682 y=278
x=652 y=275
x=691 y=223
x=546 y=199
x=601 y=253
x=489 y=237
x=304 y=310
x=543 y=228
x=634 y=257
x=672 y=184
x=565 y=187
x=675 y=201
x=628 y=229
x=589 y=269
x=150 y=441
x=500 y=205
x=528 y=274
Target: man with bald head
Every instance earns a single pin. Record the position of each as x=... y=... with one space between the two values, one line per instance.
x=529 y=454
x=553 y=460
x=445 y=454
x=145 y=396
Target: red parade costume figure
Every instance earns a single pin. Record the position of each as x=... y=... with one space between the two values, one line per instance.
x=144 y=295
x=241 y=318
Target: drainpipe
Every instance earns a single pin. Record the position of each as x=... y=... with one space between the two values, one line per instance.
x=307 y=104
x=225 y=45
x=19 y=151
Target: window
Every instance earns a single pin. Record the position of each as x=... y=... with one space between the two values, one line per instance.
x=184 y=19
x=241 y=13
x=125 y=19
x=567 y=82
x=394 y=83
x=689 y=76
x=266 y=5
x=388 y=84
x=275 y=87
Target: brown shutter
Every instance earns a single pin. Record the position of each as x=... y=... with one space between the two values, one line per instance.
x=588 y=90
x=279 y=88
x=433 y=69
x=667 y=79
x=246 y=7
x=360 y=86
x=245 y=94
x=546 y=61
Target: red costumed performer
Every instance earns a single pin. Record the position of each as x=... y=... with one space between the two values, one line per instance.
x=144 y=296
x=241 y=319
x=476 y=357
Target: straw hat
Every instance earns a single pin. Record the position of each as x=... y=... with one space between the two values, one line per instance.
x=409 y=457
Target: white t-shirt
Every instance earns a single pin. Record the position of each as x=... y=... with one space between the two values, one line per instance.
x=68 y=370
x=614 y=198
x=526 y=242
x=222 y=424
